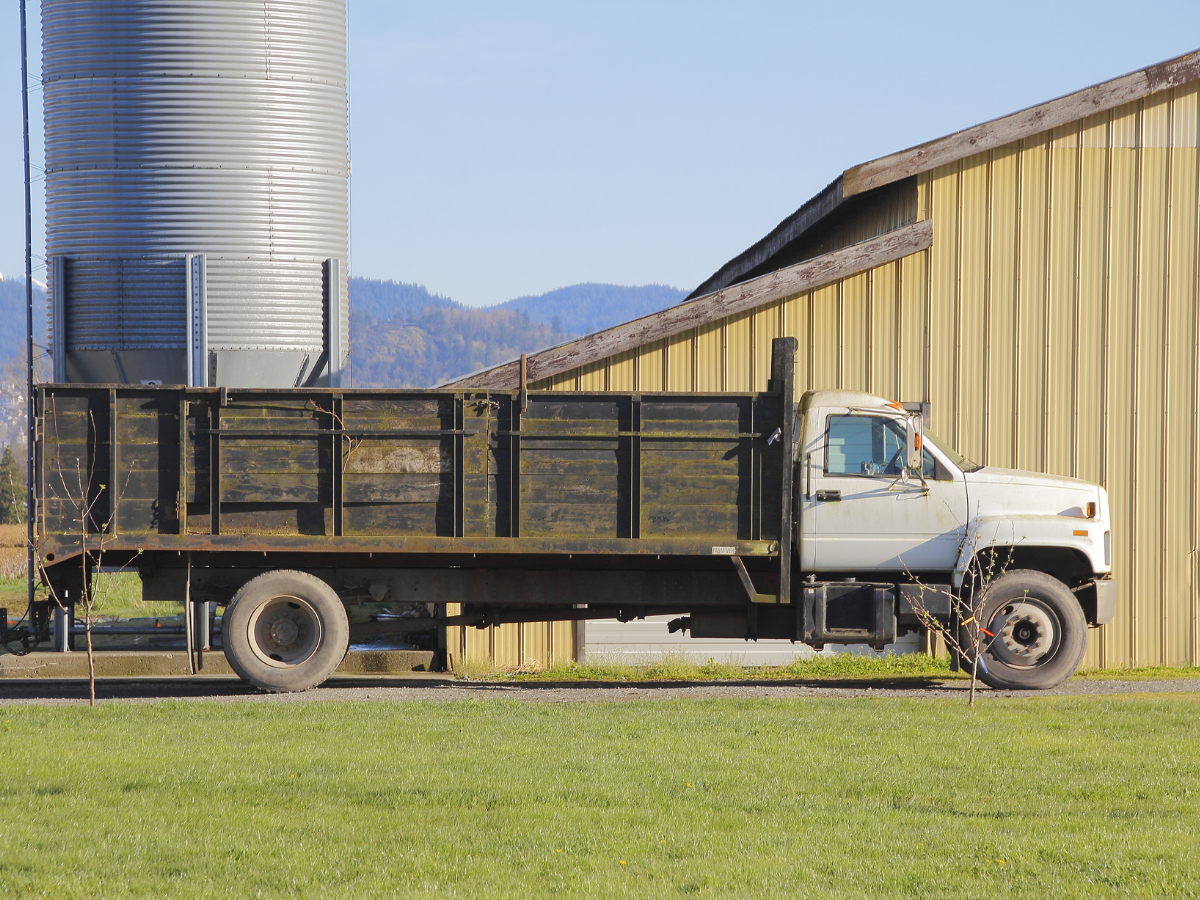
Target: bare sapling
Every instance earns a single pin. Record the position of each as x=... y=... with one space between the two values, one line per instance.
x=81 y=497
x=965 y=632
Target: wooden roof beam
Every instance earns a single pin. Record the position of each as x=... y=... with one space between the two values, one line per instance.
x=998 y=132
x=797 y=279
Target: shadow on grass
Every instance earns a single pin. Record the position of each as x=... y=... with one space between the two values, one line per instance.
x=56 y=689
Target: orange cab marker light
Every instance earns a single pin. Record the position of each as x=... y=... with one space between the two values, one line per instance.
x=1080 y=533
x=1091 y=510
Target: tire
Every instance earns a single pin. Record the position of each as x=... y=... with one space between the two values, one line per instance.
x=285 y=631
x=1039 y=632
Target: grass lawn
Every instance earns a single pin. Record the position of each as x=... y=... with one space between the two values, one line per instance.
x=1038 y=797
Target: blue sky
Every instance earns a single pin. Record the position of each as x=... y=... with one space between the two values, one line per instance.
x=502 y=149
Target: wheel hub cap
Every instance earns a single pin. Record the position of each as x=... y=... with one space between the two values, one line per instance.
x=1024 y=633
x=285 y=631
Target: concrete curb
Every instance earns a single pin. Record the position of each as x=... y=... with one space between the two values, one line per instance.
x=160 y=663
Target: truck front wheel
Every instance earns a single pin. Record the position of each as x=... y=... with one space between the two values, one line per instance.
x=285 y=631
x=1038 y=632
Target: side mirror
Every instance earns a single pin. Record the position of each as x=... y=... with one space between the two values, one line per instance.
x=912 y=443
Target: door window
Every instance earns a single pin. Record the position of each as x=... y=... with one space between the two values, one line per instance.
x=868 y=445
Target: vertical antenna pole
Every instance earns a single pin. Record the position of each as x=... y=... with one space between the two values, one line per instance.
x=29 y=404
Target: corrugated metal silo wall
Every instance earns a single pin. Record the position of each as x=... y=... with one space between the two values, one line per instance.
x=1053 y=325
x=216 y=128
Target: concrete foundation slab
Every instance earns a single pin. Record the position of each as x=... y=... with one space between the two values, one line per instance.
x=143 y=663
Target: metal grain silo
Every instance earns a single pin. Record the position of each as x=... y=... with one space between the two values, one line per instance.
x=196 y=190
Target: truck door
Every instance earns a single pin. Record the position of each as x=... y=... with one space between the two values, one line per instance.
x=861 y=516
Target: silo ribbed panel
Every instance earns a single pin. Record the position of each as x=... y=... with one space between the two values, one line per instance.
x=277 y=312
x=215 y=128
x=109 y=309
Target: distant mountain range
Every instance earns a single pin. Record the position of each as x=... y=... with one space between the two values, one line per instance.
x=580 y=308
x=401 y=335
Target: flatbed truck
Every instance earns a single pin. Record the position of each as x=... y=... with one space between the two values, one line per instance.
x=836 y=519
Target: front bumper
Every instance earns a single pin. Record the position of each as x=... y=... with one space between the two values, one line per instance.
x=1106 y=600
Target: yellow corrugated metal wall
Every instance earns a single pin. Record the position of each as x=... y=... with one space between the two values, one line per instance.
x=1053 y=325
x=1063 y=297
x=540 y=644
x=867 y=332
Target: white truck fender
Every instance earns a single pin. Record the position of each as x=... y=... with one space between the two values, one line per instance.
x=1085 y=536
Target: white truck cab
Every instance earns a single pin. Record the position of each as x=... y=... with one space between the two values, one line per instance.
x=879 y=500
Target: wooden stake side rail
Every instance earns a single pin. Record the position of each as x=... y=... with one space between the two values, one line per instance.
x=213 y=470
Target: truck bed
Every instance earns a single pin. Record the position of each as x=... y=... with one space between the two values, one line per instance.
x=143 y=468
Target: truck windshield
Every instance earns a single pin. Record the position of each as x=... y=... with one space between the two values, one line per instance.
x=953 y=455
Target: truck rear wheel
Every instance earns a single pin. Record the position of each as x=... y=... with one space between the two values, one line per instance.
x=1039 y=632
x=285 y=631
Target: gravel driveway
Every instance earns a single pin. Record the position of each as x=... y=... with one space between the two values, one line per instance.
x=229 y=690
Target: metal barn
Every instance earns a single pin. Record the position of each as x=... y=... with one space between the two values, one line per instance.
x=1034 y=277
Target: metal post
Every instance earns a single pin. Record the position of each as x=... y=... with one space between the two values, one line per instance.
x=783 y=365
x=115 y=489
x=63 y=620
x=208 y=613
x=214 y=464
x=200 y=634
x=337 y=466
x=333 y=320
x=197 y=290
x=58 y=317
x=189 y=620
x=189 y=314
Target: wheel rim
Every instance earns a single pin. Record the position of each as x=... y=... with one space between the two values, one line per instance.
x=1026 y=633
x=285 y=631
